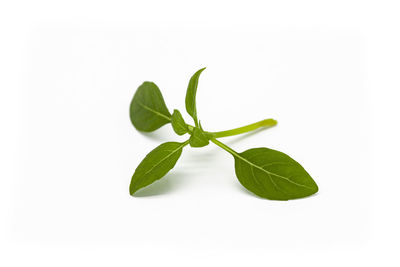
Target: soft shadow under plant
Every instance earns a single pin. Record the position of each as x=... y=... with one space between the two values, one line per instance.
x=265 y=172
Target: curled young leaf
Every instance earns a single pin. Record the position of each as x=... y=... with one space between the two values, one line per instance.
x=272 y=174
x=190 y=99
x=178 y=123
x=198 y=138
x=148 y=111
x=156 y=164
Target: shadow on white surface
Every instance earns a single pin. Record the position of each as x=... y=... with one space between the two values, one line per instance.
x=163 y=186
x=155 y=136
x=250 y=194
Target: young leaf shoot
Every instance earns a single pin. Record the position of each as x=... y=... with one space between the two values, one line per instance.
x=178 y=123
x=198 y=138
x=191 y=92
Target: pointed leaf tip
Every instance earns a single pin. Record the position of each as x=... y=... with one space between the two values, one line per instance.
x=191 y=92
x=273 y=175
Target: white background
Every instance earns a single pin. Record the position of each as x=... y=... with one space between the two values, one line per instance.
x=327 y=71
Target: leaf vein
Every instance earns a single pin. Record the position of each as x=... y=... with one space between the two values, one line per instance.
x=277 y=175
x=166 y=157
x=154 y=111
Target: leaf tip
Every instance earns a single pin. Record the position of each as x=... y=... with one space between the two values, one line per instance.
x=132 y=189
x=316 y=188
x=200 y=71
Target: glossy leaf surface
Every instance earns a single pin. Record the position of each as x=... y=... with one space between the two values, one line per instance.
x=148 y=111
x=272 y=174
x=178 y=123
x=156 y=164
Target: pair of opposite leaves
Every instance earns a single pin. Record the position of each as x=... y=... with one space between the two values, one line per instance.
x=265 y=172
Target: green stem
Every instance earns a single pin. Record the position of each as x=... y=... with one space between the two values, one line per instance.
x=225 y=147
x=186 y=142
x=245 y=129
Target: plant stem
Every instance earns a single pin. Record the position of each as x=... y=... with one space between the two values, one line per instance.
x=224 y=147
x=245 y=129
x=186 y=142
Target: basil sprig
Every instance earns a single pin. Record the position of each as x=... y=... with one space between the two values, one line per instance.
x=265 y=172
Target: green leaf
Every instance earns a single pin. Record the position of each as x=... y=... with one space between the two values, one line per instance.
x=272 y=174
x=198 y=138
x=191 y=96
x=156 y=164
x=178 y=123
x=148 y=111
